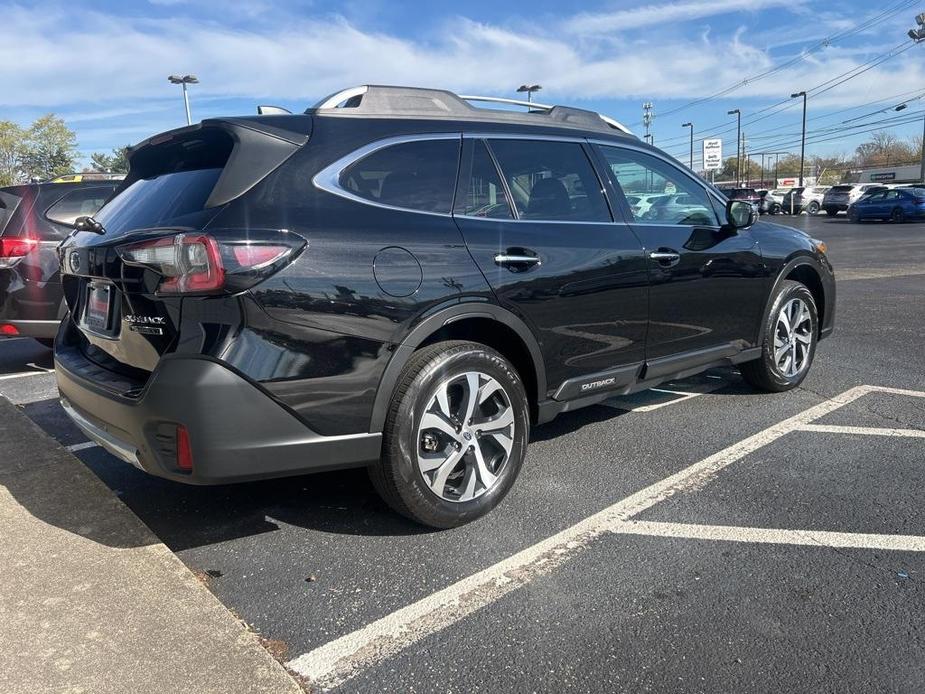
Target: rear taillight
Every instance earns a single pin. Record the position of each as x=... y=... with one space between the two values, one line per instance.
x=198 y=263
x=13 y=249
x=8 y=330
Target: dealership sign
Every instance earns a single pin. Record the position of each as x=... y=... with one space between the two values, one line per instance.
x=712 y=155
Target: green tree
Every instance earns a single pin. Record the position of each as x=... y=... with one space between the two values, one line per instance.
x=11 y=148
x=49 y=149
x=117 y=162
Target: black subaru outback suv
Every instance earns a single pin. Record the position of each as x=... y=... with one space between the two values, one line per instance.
x=400 y=280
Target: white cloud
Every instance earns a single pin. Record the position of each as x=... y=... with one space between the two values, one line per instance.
x=665 y=14
x=90 y=60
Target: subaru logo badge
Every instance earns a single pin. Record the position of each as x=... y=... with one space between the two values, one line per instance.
x=74 y=261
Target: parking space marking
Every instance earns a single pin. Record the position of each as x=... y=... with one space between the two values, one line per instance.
x=864 y=431
x=774 y=536
x=624 y=403
x=24 y=374
x=333 y=663
x=81 y=446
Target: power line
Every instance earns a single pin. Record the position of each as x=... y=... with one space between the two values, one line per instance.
x=824 y=43
x=820 y=88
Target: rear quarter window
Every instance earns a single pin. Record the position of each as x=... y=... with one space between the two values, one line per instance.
x=418 y=175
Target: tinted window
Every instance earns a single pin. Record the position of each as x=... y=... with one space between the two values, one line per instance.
x=413 y=175
x=551 y=180
x=77 y=203
x=685 y=201
x=484 y=196
x=874 y=197
x=152 y=202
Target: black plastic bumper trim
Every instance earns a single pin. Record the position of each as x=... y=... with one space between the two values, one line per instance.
x=236 y=431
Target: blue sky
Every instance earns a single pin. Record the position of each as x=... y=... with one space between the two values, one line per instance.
x=102 y=64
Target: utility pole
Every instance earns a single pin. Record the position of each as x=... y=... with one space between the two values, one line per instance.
x=803 y=139
x=691 y=126
x=918 y=35
x=738 y=114
x=648 y=115
x=748 y=171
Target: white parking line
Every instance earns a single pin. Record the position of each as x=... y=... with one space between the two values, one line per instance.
x=626 y=403
x=81 y=446
x=337 y=661
x=864 y=431
x=776 y=536
x=24 y=374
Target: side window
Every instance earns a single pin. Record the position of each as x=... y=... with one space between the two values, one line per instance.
x=683 y=201
x=484 y=196
x=551 y=181
x=892 y=195
x=419 y=175
x=77 y=203
x=876 y=196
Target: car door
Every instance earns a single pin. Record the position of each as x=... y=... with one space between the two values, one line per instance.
x=872 y=206
x=538 y=225
x=708 y=284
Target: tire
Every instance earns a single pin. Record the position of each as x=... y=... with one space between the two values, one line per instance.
x=897 y=216
x=470 y=484
x=776 y=209
x=813 y=208
x=831 y=212
x=777 y=375
x=854 y=217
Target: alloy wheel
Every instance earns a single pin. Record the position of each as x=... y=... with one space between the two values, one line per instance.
x=793 y=338
x=465 y=436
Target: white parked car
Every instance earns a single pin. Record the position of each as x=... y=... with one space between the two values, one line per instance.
x=807 y=200
x=642 y=202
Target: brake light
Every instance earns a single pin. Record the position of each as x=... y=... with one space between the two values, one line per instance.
x=184 y=450
x=8 y=330
x=13 y=249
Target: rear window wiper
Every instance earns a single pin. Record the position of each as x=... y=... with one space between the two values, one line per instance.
x=87 y=223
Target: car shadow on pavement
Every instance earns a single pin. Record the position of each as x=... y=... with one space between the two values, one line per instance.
x=184 y=516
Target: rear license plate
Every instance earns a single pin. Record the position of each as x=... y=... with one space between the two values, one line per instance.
x=97 y=315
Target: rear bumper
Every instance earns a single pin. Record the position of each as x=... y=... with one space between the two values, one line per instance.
x=43 y=329
x=237 y=432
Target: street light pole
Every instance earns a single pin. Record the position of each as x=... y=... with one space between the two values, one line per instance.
x=183 y=81
x=738 y=114
x=803 y=139
x=691 y=126
x=529 y=89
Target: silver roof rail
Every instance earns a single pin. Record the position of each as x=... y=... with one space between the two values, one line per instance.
x=540 y=107
x=378 y=100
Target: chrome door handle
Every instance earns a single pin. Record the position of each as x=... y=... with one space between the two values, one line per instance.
x=503 y=259
x=668 y=258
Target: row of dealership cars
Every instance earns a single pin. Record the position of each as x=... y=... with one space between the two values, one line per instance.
x=860 y=201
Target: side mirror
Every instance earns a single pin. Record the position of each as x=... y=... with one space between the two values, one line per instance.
x=740 y=214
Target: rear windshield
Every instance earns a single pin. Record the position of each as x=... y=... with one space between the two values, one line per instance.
x=170 y=198
x=841 y=189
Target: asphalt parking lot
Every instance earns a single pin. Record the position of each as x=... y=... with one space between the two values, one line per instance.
x=699 y=537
